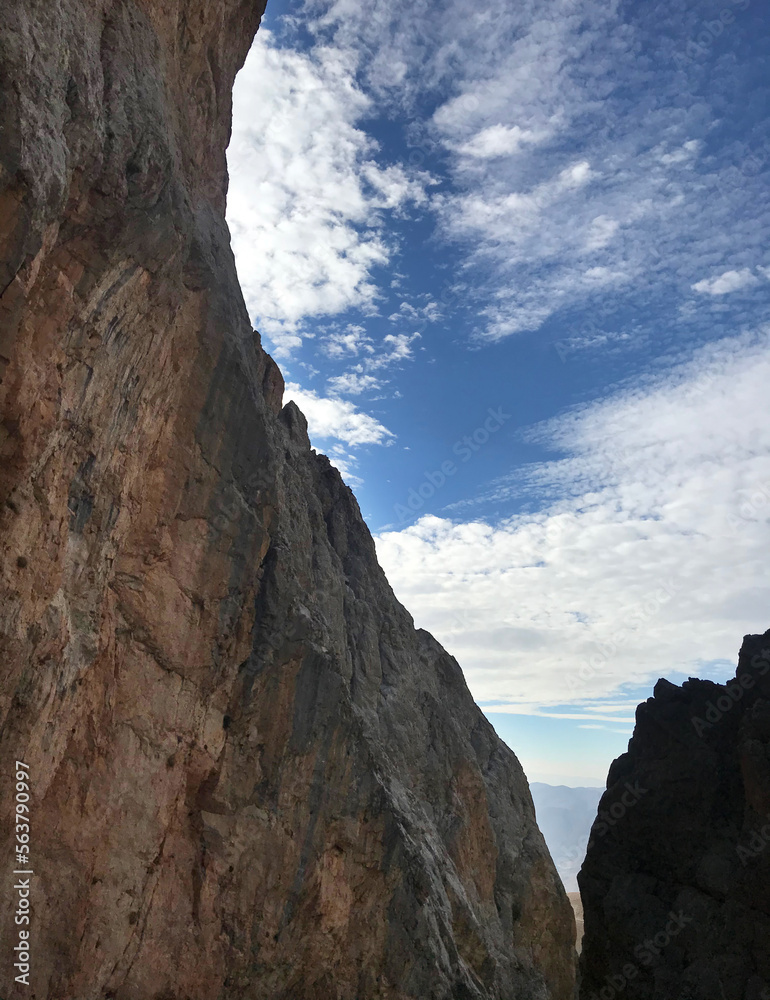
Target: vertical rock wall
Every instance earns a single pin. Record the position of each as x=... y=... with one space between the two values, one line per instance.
x=251 y=776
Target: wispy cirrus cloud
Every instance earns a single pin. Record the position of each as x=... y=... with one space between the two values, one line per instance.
x=576 y=143
x=522 y=95
x=648 y=535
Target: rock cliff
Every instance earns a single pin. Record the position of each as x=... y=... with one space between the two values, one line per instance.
x=676 y=883
x=250 y=775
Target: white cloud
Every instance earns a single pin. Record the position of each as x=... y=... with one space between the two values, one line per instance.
x=394 y=349
x=500 y=140
x=527 y=708
x=728 y=281
x=682 y=154
x=306 y=190
x=344 y=462
x=430 y=312
x=400 y=345
x=395 y=187
x=397 y=348
x=353 y=384
x=601 y=232
x=649 y=558
x=566 y=182
x=336 y=418
x=353 y=340
x=521 y=91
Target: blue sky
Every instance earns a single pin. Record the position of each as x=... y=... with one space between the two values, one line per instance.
x=513 y=262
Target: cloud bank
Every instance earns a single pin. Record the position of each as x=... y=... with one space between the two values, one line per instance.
x=654 y=538
x=307 y=194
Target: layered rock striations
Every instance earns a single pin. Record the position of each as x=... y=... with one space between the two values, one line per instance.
x=676 y=882
x=251 y=776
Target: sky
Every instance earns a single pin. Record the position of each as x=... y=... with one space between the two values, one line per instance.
x=513 y=261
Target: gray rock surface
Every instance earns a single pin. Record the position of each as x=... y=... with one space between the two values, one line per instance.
x=251 y=776
x=676 y=882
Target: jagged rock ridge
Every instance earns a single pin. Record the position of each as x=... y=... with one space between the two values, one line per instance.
x=251 y=776
x=676 y=882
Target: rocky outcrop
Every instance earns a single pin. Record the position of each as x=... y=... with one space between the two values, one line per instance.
x=676 y=883
x=250 y=775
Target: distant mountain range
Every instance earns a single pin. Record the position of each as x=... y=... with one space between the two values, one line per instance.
x=565 y=815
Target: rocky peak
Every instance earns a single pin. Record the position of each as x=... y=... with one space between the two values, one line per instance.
x=676 y=883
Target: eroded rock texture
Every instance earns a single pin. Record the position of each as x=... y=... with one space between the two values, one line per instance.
x=251 y=776
x=676 y=884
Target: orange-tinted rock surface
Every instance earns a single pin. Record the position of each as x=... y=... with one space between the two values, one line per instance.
x=251 y=776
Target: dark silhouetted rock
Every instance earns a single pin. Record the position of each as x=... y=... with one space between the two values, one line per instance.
x=676 y=882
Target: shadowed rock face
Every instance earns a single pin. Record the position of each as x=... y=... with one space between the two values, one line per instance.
x=676 y=883
x=251 y=776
